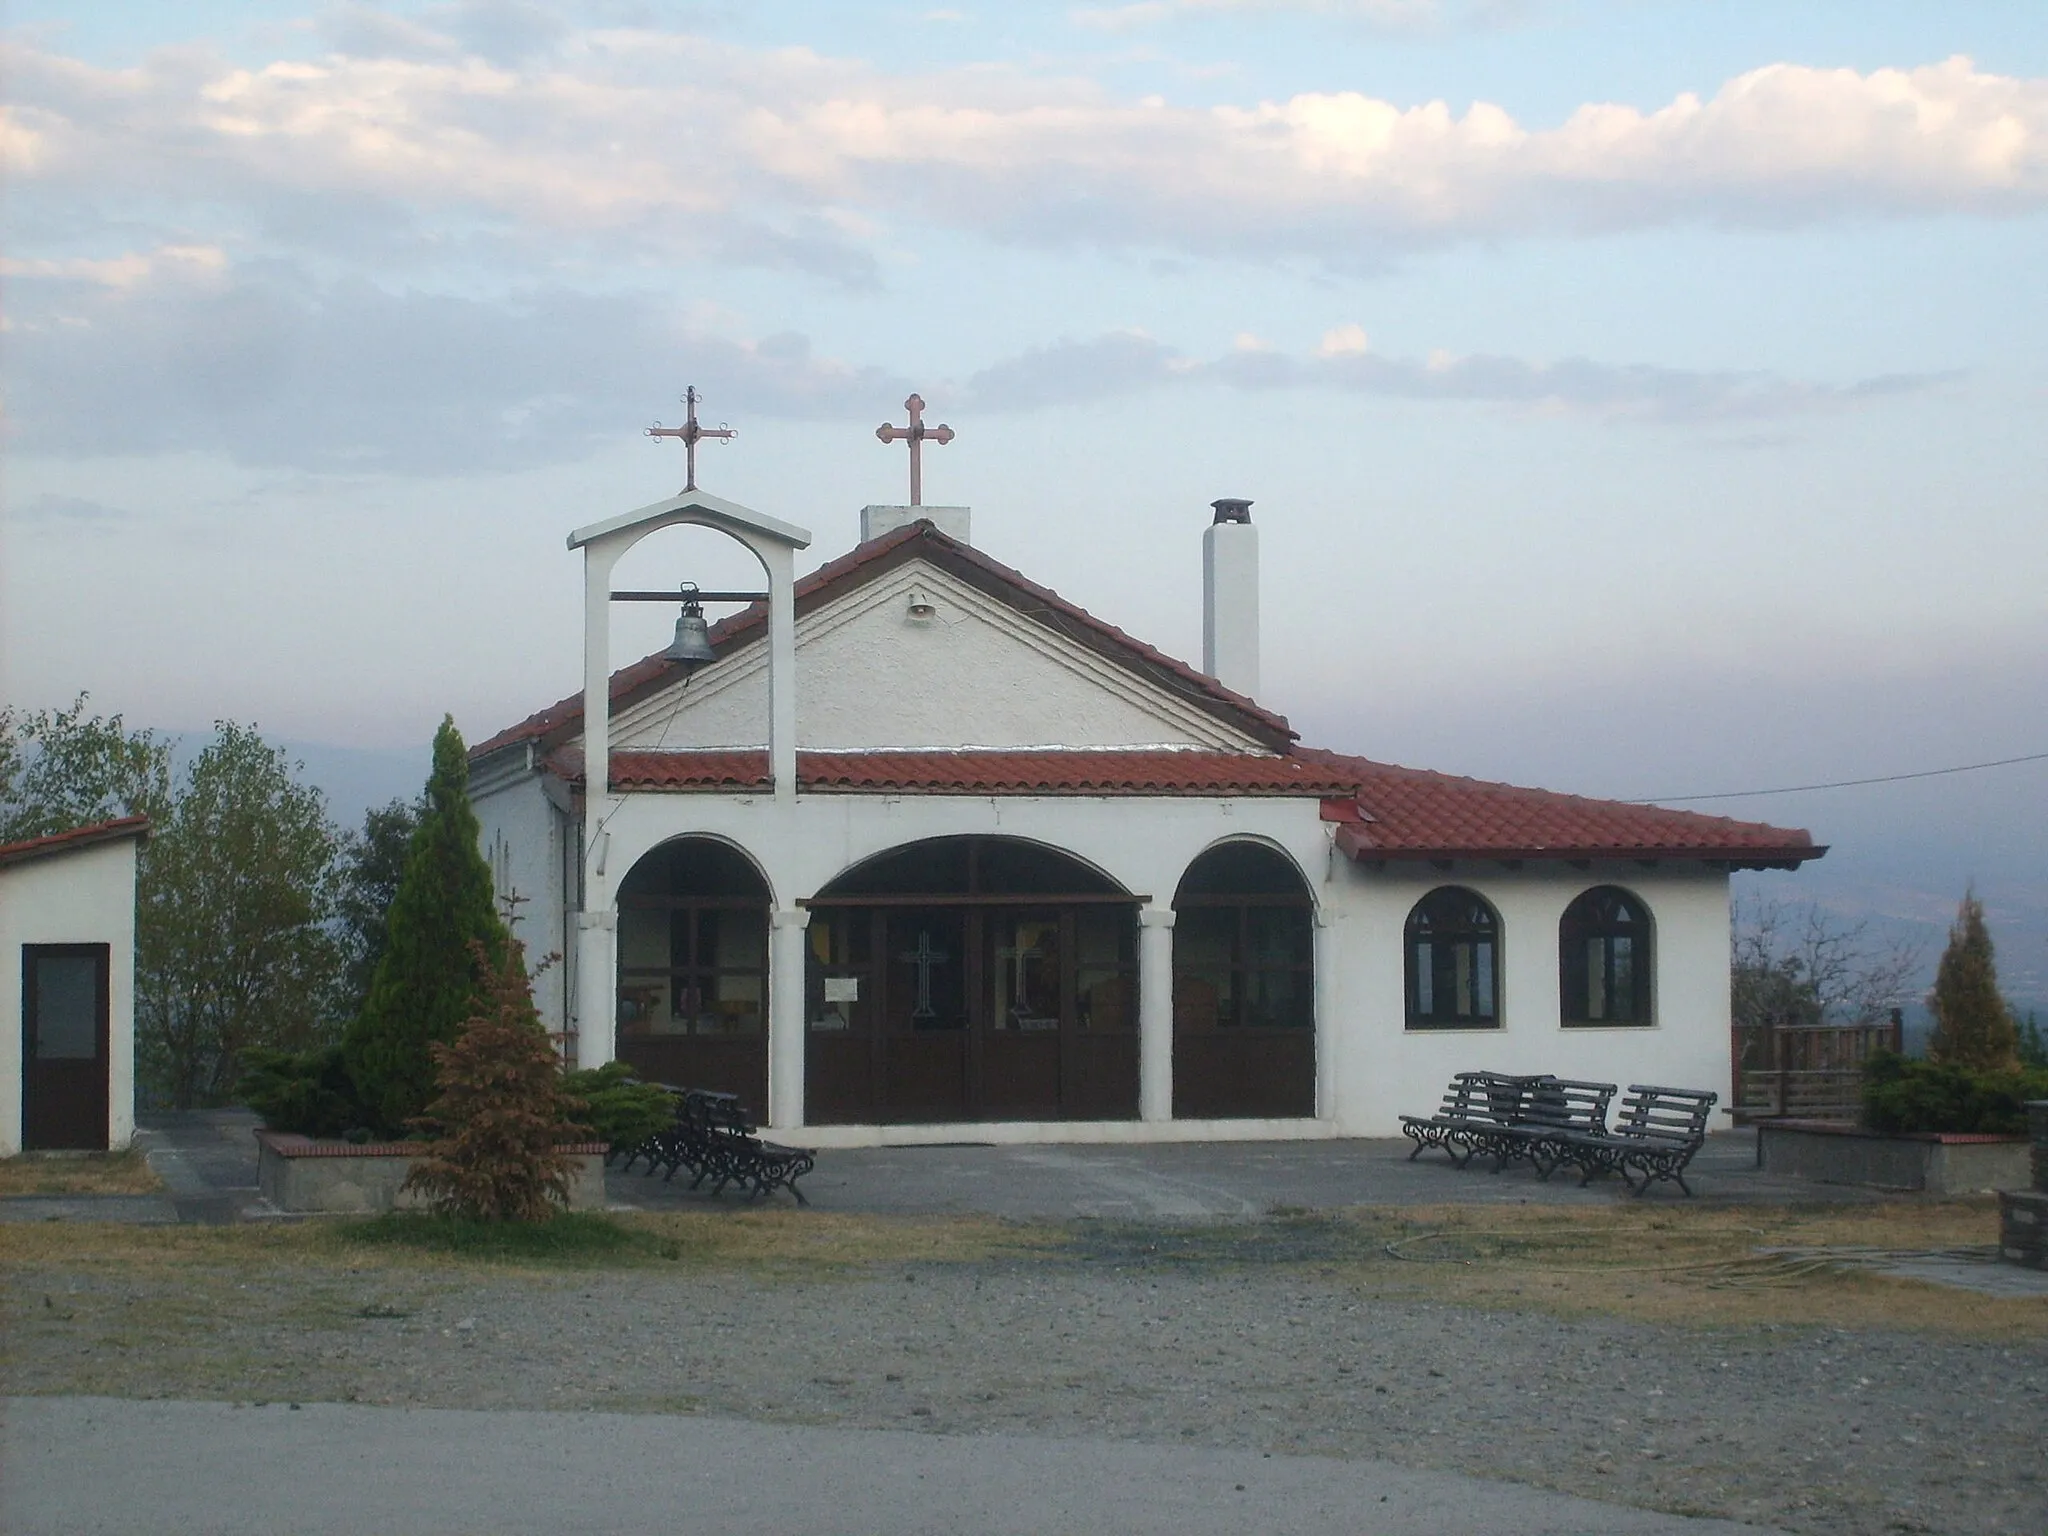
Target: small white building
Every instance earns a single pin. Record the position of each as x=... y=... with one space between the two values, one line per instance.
x=927 y=845
x=67 y=989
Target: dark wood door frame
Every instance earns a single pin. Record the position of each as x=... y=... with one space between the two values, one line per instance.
x=65 y=1100
x=976 y=915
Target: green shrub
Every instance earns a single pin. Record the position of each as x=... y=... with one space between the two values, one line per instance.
x=618 y=1109
x=309 y=1092
x=1901 y=1095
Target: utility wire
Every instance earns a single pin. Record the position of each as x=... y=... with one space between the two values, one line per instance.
x=1800 y=789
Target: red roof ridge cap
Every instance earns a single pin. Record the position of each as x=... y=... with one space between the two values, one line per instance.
x=111 y=830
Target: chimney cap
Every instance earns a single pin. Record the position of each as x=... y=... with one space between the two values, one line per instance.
x=1232 y=509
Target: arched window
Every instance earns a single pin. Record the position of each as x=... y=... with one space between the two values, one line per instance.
x=1453 y=950
x=693 y=969
x=1603 y=959
x=1244 y=987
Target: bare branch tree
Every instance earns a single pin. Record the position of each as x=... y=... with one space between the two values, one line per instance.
x=1792 y=965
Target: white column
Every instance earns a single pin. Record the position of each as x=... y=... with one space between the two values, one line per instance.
x=597 y=987
x=1329 y=1049
x=597 y=924
x=786 y=1017
x=781 y=563
x=1155 y=1013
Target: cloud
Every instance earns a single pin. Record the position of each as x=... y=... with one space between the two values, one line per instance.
x=1128 y=361
x=653 y=144
x=50 y=507
x=1396 y=16
x=273 y=367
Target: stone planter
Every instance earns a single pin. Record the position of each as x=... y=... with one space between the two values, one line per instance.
x=297 y=1173
x=1930 y=1162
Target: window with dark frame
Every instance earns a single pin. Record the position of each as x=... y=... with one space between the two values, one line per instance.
x=1604 y=959
x=1243 y=943
x=1452 y=944
x=693 y=944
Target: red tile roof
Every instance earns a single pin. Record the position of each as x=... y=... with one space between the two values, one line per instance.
x=1063 y=772
x=564 y=718
x=1383 y=812
x=76 y=838
x=1410 y=813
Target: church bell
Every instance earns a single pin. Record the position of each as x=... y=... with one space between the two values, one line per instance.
x=692 y=644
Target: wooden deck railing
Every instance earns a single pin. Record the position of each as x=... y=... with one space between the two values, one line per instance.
x=1805 y=1071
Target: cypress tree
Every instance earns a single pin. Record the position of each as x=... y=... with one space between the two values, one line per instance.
x=1972 y=1026
x=429 y=979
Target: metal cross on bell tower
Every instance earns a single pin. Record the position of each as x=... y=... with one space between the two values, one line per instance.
x=915 y=434
x=692 y=434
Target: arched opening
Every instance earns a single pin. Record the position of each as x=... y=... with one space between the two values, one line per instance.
x=1604 y=959
x=1244 y=987
x=971 y=978
x=693 y=969
x=1452 y=946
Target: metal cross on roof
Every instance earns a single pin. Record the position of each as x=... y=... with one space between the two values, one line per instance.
x=915 y=434
x=692 y=434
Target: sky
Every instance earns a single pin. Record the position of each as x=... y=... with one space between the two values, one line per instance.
x=1638 y=398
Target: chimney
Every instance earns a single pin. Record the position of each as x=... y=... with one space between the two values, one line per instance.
x=955 y=522
x=1230 y=598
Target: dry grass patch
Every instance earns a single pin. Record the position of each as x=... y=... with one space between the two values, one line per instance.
x=769 y=1240
x=798 y=1238
x=1712 y=1266
x=78 y=1173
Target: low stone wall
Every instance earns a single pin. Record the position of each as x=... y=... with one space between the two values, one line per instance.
x=1931 y=1162
x=297 y=1173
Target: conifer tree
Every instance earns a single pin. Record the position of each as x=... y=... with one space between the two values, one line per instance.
x=502 y=1113
x=1972 y=1026
x=429 y=979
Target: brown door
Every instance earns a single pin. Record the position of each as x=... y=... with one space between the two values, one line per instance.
x=64 y=1046
x=924 y=1016
x=1026 y=1008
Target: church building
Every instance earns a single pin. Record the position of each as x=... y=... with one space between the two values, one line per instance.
x=913 y=849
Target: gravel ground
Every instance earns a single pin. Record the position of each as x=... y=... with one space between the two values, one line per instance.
x=1249 y=1345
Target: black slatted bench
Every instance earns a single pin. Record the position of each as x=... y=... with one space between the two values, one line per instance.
x=733 y=1154
x=713 y=1137
x=1655 y=1135
x=1552 y=1111
x=1475 y=1105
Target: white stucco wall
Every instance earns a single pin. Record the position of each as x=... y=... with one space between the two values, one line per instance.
x=975 y=674
x=1385 y=1069
x=1371 y=1068
x=529 y=843
x=82 y=896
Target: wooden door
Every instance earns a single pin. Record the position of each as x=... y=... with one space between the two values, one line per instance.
x=1026 y=1006
x=926 y=960
x=65 y=1048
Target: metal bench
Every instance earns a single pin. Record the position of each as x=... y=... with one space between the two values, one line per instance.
x=1655 y=1135
x=713 y=1137
x=1475 y=1105
x=1552 y=1111
x=732 y=1153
